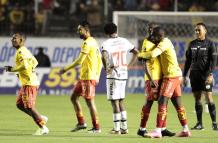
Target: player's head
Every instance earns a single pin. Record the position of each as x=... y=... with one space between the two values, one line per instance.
x=158 y=34
x=151 y=26
x=83 y=29
x=18 y=40
x=200 y=31
x=110 y=28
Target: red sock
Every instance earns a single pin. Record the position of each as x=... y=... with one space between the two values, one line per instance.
x=95 y=122
x=39 y=122
x=182 y=115
x=161 y=115
x=80 y=118
x=144 y=116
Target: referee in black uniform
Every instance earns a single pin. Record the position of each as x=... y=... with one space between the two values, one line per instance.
x=201 y=60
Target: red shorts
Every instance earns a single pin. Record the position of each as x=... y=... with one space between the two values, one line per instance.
x=27 y=96
x=152 y=93
x=85 y=88
x=170 y=87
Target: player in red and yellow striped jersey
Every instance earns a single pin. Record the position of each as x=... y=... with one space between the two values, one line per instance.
x=154 y=71
x=25 y=66
x=90 y=61
x=170 y=88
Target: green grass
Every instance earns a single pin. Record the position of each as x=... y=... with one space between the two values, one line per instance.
x=16 y=127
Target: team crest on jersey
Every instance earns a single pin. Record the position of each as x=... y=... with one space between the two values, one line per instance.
x=20 y=52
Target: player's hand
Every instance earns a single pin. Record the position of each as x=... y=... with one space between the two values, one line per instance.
x=209 y=79
x=8 y=68
x=109 y=70
x=185 y=82
x=62 y=71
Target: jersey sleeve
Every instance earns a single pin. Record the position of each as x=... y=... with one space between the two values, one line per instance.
x=85 y=48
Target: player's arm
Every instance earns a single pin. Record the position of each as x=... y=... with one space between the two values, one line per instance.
x=75 y=63
x=34 y=62
x=150 y=54
x=105 y=60
x=134 y=52
x=23 y=64
x=99 y=65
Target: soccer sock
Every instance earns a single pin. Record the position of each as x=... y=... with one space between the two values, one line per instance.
x=80 y=118
x=144 y=116
x=161 y=115
x=116 y=119
x=39 y=122
x=124 y=120
x=164 y=124
x=212 y=110
x=95 y=122
x=182 y=116
x=199 y=110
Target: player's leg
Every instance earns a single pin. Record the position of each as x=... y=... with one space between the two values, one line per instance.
x=212 y=109
x=89 y=95
x=145 y=111
x=123 y=112
x=28 y=100
x=77 y=91
x=94 y=116
x=19 y=102
x=116 y=116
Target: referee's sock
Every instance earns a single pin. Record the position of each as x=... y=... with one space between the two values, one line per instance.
x=212 y=110
x=199 y=110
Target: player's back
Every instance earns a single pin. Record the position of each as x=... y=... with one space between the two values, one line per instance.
x=90 y=66
x=168 y=59
x=118 y=49
x=153 y=64
x=27 y=76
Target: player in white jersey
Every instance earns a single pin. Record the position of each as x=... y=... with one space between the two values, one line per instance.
x=114 y=55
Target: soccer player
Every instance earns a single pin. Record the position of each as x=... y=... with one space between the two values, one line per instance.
x=25 y=67
x=154 y=70
x=201 y=60
x=170 y=87
x=90 y=61
x=114 y=56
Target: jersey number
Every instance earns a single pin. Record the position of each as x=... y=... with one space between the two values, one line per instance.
x=119 y=58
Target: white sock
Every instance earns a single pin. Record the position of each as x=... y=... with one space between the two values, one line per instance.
x=124 y=120
x=185 y=128
x=164 y=128
x=116 y=119
x=158 y=130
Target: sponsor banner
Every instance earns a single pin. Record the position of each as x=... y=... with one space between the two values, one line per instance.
x=60 y=50
x=52 y=83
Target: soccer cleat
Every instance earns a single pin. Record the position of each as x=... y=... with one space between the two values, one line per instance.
x=94 y=130
x=113 y=131
x=79 y=127
x=124 y=131
x=41 y=131
x=184 y=134
x=167 y=133
x=153 y=134
x=214 y=126
x=142 y=132
x=198 y=126
x=44 y=118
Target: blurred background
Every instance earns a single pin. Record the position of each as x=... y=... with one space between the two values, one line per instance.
x=60 y=17
x=50 y=26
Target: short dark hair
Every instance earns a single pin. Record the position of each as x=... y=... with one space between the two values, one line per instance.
x=85 y=24
x=202 y=24
x=22 y=35
x=110 y=28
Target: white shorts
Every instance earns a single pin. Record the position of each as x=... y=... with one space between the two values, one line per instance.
x=115 y=89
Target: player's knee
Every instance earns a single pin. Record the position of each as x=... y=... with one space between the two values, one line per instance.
x=20 y=106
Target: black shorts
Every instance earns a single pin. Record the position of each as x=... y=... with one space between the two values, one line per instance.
x=197 y=80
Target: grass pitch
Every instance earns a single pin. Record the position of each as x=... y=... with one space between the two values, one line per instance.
x=16 y=127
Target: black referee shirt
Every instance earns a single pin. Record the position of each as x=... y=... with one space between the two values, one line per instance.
x=201 y=56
